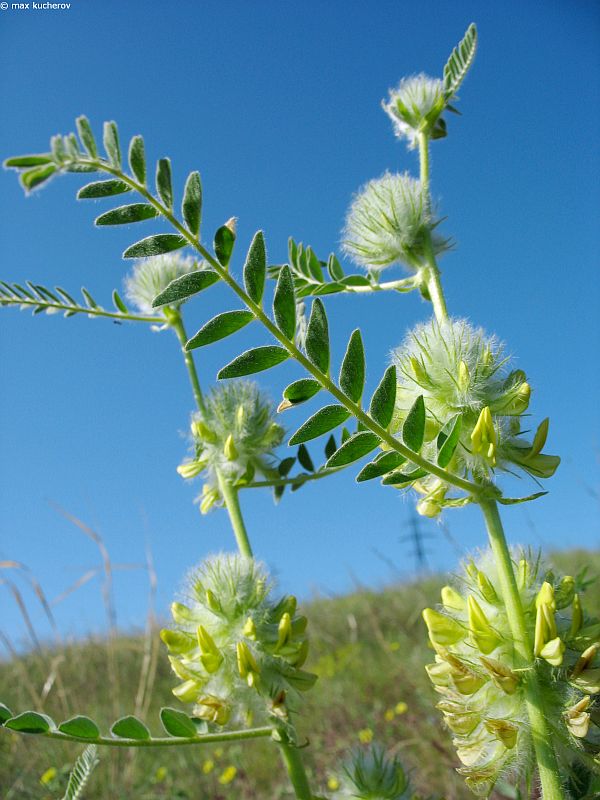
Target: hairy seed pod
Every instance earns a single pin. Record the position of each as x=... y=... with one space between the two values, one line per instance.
x=481 y=681
x=237 y=652
x=234 y=436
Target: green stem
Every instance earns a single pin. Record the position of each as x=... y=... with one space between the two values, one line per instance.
x=176 y=322
x=431 y=273
x=77 y=309
x=542 y=741
x=295 y=768
x=296 y=480
x=232 y=502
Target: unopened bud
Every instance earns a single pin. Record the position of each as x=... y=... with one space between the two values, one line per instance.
x=443 y=629
x=230 y=449
x=482 y=632
x=553 y=651
x=452 y=599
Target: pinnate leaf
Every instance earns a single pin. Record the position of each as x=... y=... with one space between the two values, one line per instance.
x=384 y=398
x=155 y=245
x=325 y=420
x=130 y=727
x=186 y=286
x=255 y=360
x=460 y=61
x=219 y=327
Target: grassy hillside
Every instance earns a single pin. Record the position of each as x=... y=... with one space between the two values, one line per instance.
x=368 y=648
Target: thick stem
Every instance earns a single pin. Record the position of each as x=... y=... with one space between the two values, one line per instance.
x=232 y=503
x=542 y=741
x=295 y=768
x=431 y=272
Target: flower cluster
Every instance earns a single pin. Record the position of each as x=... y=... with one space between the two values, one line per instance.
x=151 y=275
x=481 y=680
x=390 y=222
x=462 y=375
x=415 y=106
x=371 y=775
x=237 y=652
x=234 y=436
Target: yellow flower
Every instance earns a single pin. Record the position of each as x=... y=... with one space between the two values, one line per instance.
x=208 y=766
x=227 y=775
x=401 y=707
x=333 y=784
x=48 y=776
x=394 y=646
x=219 y=752
x=365 y=735
x=389 y=715
x=160 y=775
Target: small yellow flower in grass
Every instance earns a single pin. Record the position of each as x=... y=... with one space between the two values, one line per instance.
x=208 y=766
x=389 y=715
x=219 y=752
x=48 y=776
x=160 y=775
x=333 y=784
x=365 y=735
x=227 y=775
x=401 y=707
x=394 y=646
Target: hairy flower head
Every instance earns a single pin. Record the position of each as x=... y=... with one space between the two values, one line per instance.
x=237 y=651
x=480 y=679
x=150 y=276
x=388 y=222
x=234 y=436
x=463 y=376
x=415 y=106
x=372 y=775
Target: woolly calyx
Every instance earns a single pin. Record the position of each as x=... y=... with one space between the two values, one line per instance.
x=389 y=222
x=237 y=651
x=464 y=379
x=150 y=276
x=415 y=106
x=372 y=775
x=234 y=436
x=480 y=680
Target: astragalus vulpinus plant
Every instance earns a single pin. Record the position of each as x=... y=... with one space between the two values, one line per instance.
x=516 y=665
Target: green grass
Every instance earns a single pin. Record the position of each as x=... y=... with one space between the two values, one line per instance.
x=369 y=649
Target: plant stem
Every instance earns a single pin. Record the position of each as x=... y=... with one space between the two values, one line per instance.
x=176 y=322
x=232 y=503
x=166 y=741
x=431 y=271
x=542 y=741
x=295 y=768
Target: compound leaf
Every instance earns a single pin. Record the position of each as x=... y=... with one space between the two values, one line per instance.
x=219 y=327
x=352 y=373
x=325 y=420
x=155 y=245
x=460 y=61
x=384 y=398
x=125 y=215
x=255 y=360
x=255 y=268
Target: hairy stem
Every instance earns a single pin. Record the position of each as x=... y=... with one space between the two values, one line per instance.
x=232 y=503
x=542 y=741
x=176 y=322
x=290 y=755
x=431 y=272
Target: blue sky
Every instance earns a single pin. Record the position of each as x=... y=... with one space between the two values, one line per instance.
x=278 y=105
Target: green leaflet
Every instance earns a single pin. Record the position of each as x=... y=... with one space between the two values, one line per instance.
x=325 y=420
x=284 y=303
x=30 y=722
x=18 y=162
x=317 y=337
x=155 y=245
x=255 y=267
x=460 y=61
x=86 y=135
x=330 y=446
x=186 y=286
x=302 y=390
x=384 y=398
x=5 y=713
x=285 y=465
x=33 y=178
x=164 y=183
x=130 y=728
x=118 y=302
x=111 y=143
x=137 y=159
x=304 y=458
x=398 y=478
x=514 y=501
x=219 y=327
x=353 y=448
x=191 y=207
x=448 y=439
x=334 y=268
x=92 y=191
x=176 y=723
x=352 y=373
x=81 y=726
x=384 y=463
x=413 y=429
x=255 y=360
x=223 y=244
x=125 y=215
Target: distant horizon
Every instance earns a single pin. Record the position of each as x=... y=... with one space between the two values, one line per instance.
x=284 y=130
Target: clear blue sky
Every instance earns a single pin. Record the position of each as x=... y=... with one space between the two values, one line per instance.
x=277 y=104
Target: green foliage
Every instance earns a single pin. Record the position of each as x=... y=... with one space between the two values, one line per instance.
x=164 y=182
x=79 y=777
x=191 y=207
x=137 y=159
x=125 y=215
x=224 y=242
x=255 y=360
x=130 y=728
x=317 y=337
x=460 y=62
x=80 y=727
x=255 y=268
x=325 y=420
x=413 y=428
x=353 y=448
x=219 y=327
x=186 y=286
x=300 y=391
x=284 y=304
x=352 y=373
x=155 y=245
x=384 y=398
x=98 y=189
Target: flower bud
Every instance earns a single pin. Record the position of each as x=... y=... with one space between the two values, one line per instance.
x=442 y=629
x=151 y=276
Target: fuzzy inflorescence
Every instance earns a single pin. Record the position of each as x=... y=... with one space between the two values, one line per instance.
x=415 y=106
x=389 y=222
x=372 y=775
x=150 y=276
x=481 y=680
x=237 y=651
x=234 y=436
x=463 y=376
